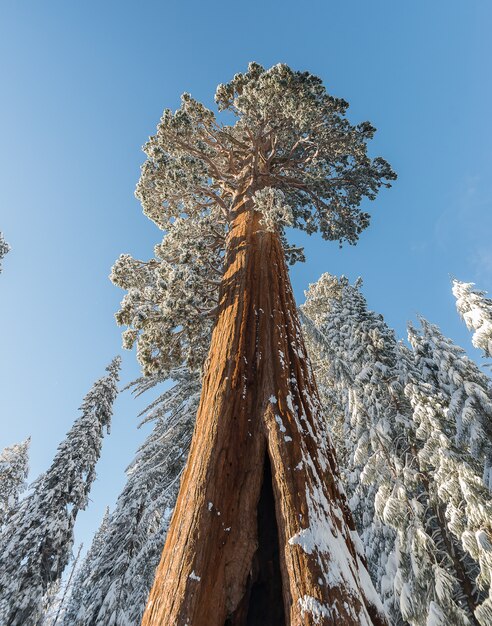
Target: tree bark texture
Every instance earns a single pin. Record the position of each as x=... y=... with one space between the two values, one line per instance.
x=259 y=419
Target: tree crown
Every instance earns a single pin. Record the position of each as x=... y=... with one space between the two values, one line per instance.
x=289 y=152
x=288 y=134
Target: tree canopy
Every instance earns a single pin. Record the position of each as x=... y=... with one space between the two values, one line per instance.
x=289 y=133
x=278 y=144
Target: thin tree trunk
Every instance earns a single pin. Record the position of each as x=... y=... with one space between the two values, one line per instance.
x=259 y=413
x=67 y=586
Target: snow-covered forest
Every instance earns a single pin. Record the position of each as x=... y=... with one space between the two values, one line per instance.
x=303 y=464
x=411 y=426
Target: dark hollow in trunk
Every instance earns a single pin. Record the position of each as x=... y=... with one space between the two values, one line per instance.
x=263 y=601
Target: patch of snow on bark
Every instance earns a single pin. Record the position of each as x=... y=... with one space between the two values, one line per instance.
x=328 y=543
x=305 y=539
x=278 y=419
x=194 y=576
x=282 y=358
x=368 y=589
x=311 y=605
x=298 y=352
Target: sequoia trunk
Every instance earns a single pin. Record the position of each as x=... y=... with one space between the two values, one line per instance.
x=230 y=550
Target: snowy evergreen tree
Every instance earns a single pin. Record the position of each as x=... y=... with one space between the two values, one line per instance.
x=114 y=584
x=4 y=248
x=13 y=474
x=397 y=451
x=36 y=544
x=51 y=604
x=476 y=310
x=466 y=391
x=453 y=489
x=356 y=363
x=290 y=156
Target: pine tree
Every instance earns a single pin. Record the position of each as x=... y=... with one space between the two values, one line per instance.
x=4 y=248
x=466 y=391
x=476 y=310
x=356 y=363
x=36 y=544
x=396 y=437
x=13 y=475
x=113 y=587
x=453 y=489
x=260 y=456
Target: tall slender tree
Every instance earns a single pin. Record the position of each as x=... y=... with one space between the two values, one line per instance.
x=466 y=392
x=113 y=586
x=455 y=492
x=4 y=248
x=14 y=467
x=261 y=532
x=357 y=366
x=36 y=544
x=476 y=310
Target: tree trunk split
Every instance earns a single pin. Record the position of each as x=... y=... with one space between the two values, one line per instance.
x=262 y=602
x=260 y=513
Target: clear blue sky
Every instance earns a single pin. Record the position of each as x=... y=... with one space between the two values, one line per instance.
x=84 y=83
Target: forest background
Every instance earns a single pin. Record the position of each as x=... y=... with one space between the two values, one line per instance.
x=83 y=85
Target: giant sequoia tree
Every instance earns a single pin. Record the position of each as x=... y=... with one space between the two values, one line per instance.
x=261 y=532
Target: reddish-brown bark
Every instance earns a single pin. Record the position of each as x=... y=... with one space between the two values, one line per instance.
x=259 y=398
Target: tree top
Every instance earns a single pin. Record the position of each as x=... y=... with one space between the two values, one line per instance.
x=287 y=133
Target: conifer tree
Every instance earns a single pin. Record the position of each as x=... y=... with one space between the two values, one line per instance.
x=4 y=248
x=476 y=310
x=454 y=489
x=13 y=475
x=466 y=391
x=356 y=363
x=55 y=613
x=261 y=464
x=114 y=584
x=51 y=604
x=400 y=462
x=36 y=544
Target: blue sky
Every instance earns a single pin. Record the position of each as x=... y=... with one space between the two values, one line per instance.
x=84 y=84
